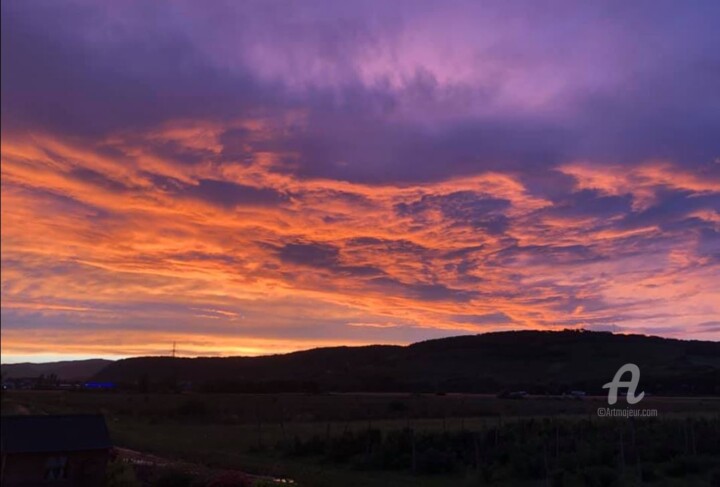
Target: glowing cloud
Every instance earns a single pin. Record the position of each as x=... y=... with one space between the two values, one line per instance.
x=340 y=175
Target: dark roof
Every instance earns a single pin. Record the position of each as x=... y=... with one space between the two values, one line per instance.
x=35 y=434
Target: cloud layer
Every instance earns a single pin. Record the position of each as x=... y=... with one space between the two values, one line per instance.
x=272 y=176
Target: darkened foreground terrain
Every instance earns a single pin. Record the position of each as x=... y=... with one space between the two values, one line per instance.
x=393 y=440
x=538 y=362
x=429 y=414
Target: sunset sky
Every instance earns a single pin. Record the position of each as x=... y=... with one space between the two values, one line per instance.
x=259 y=177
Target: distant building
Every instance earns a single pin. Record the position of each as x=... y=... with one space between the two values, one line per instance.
x=19 y=383
x=99 y=386
x=518 y=395
x=67 y=451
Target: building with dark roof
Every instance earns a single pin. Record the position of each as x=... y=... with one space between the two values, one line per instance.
x=62 y=451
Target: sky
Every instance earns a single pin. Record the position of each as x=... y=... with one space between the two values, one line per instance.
x=245 y=178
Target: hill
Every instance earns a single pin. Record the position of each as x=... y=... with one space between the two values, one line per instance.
x=536 y=361
x=70 y=370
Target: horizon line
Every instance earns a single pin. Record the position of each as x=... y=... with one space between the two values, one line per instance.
x=59 y=357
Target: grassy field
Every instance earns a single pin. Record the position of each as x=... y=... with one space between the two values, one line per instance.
x=299 y=408
x=300 y=436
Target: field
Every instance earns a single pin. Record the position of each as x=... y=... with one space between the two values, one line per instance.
x=410 y=439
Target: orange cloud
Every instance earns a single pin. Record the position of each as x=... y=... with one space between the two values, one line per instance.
x=123 y=251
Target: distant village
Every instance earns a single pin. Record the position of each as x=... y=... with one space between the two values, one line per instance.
x=52 y=382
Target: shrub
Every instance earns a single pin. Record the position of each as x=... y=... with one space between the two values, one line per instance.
x=434 y=461
x=715 y=478
x=600 y=476
x=683 y=466
x=121 y=474
x=264 y=483
x=649 y=474
x=174 y=478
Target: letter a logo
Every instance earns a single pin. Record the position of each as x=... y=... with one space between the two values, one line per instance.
x=631 y=384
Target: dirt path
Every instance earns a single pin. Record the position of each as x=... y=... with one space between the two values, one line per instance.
x=146 y=462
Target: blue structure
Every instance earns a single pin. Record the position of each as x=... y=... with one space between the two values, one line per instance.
x=103 y=386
